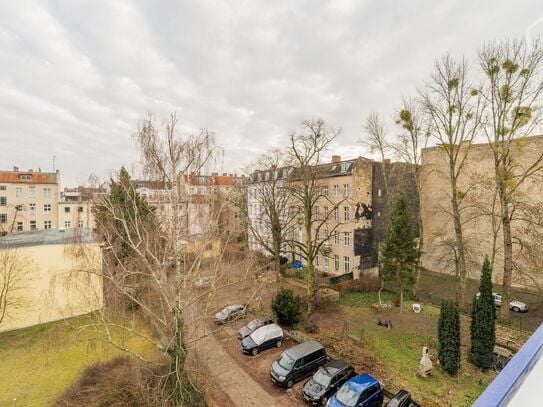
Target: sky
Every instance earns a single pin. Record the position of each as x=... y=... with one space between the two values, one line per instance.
x=76 y=77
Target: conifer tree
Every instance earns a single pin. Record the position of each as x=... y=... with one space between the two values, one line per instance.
x=449 y=337
x=399 y=256
x=483 y=321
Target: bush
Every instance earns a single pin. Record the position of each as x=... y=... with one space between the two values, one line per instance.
x=123 y=382
x=448 y=337
x=283 y=260
x=286 y=307
x=365 y=284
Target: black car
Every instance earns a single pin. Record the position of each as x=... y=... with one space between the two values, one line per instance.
x=326 y=381
x=297 y=362
x=402 y=399
x=253 y=326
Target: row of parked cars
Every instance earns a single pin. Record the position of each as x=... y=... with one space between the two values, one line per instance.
x=332 y=383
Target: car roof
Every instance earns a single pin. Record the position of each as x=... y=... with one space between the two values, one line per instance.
x=304 y=348
x=261 y=319
x=335 y=366
x=362 y=382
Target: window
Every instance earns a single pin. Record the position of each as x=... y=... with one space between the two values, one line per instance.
x=32 y=208
x=336 y=213
x=25 y=176
x=317 y=259
x=47 y=192
x=326 y=263
x=81 y=225
x=19 y=226
x=325 y=212
x=336 y=262
x=2 y=187
x=346 y=213
x=47 y=224
x=47 y=208
x=31 y=192
x=347 y=238
x=346 y=264
x=67 y=224
x=66 y=209
x=33 y=225
x=3 y=218
x=317 y=212
x=336 y=190
x=79 y=209
x=336 y=237
x=18 y=192
x=3 y=201
x=345 y=189
x=325 y=190
x=379 y=192
x=379 y=213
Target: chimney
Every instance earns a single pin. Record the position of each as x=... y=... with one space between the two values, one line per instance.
x=224 y=174
x=214 y=174
x=336 y=158
x=30 y=170
x=16 y=169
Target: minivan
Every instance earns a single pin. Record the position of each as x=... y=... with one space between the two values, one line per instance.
x=265 y=337
x=297 y=362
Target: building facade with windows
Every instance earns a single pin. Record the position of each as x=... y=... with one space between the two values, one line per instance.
x=28 y=200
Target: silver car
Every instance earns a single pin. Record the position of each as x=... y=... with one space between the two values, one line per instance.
x=231 y=313
x=514 y=305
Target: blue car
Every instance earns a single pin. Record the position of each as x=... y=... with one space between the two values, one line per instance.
x=360 y=391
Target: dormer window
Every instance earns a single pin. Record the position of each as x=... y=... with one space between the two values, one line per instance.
x=25 y=176
x=344 y=167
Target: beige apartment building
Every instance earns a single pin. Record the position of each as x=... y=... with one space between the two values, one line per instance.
x=28 y=200
x=476 y=184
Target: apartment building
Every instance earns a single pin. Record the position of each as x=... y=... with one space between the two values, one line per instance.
x=75 y=207
x=259 y=187
x=28 y=200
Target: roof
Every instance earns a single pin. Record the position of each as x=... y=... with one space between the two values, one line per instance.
x=35 y=177
x=326 y=170
x=46 y=237
x=335 y=366
x=304 y=348
x=361 y=382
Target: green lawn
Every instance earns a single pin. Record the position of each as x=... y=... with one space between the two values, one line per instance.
x=358 y=299
x=399 y=351
x=37 y=364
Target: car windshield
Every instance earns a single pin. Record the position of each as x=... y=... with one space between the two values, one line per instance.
x=285 y=361
x=347 y=396
x=322 y=378
x=252 y=325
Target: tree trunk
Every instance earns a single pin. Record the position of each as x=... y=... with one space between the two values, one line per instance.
x=507 y=250
x=401 y=298
x=460 y=259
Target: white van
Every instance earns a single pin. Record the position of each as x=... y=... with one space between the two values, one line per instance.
x=264 y=337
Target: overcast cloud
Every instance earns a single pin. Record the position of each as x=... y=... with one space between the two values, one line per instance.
x=77 y=76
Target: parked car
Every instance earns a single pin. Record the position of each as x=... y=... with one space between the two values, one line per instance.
x=263 y=338
x=402 y=399
x=360 y=391
x=514 y=305
x=326 y=381
x=297 y=362
x=231 y=313
x=253 y=326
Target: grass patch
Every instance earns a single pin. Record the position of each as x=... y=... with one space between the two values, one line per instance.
x=37 y=364
x=360 y=299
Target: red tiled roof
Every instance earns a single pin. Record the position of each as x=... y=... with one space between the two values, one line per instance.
x=35 y=177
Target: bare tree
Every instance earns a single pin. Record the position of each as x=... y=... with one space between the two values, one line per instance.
x=151 y=259
x=512 y=89
x=453 y=111
x=267 y=205
x=377 y=141
x=306 y=149
x=14 y=278
x=408 y=146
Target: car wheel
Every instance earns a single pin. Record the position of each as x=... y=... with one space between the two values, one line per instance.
x=516 y=309
x=290 y=383
x=255 y=351
x=324 y=400
x=279 y=344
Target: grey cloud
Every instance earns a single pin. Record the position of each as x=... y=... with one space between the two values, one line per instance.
x=76 y=77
